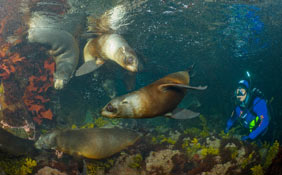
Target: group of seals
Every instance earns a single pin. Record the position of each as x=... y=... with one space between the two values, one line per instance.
x=156 y=99
x=108 y=45
x=48 y=30
x=159 y=98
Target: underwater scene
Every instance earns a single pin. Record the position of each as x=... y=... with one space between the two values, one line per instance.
x=140 y=87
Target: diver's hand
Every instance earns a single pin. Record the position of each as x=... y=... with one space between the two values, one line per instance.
x=244 y=138
x=226 y=130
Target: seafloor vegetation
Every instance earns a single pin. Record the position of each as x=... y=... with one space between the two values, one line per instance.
x=29 y=109
x=162 y=150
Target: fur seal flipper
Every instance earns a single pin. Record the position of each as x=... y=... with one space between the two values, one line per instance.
x=87 y=67
x=64 y=48
x=165 y=86
x=182 y=114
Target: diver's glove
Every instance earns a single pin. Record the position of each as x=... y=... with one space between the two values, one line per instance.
x=244 y=138
x=226 y=130
x=229 y=125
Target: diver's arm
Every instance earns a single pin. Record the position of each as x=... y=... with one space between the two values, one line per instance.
x=261 y=110
x=232 y=119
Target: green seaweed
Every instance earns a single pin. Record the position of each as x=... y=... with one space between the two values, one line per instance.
x=234 y=153
x=163 y=139
x=115 y=121
x=257 y=170
x=273 y=150
x=205 y=130
x=95 y=167
x=191 y=147
x=22 y=166
x=209 y=151
x=137 y=160
x=247 y=160
x=100 y=122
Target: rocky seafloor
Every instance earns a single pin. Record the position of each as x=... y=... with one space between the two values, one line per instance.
x=162 y=150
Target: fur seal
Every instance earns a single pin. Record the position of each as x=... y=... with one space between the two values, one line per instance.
x=159 y=98
x=15 y=145
x=93 y=143
x=63 y=46
x=108 y=45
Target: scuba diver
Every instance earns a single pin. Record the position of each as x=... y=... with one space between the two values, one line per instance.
x=251 y=111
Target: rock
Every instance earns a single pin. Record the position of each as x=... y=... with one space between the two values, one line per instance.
x=122 y=164
x=160 y=162
x=49 y=171
x=219 y=169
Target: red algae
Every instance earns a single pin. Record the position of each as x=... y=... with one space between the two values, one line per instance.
x=35 y=96
x=25 y=81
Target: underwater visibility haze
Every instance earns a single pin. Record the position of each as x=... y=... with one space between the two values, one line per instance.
x=140 y=87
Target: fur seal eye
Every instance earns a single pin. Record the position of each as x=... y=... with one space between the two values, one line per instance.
x=110 y=108
x=128 y=60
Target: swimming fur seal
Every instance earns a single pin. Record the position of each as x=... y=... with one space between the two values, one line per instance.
x=108 y=45
x=63 y=46
x=14 y=145
x=93 y=143
x=156 y=99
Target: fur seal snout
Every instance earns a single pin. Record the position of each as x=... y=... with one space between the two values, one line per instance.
x=156 y=99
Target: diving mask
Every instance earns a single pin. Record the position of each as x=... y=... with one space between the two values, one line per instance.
x=240 y=92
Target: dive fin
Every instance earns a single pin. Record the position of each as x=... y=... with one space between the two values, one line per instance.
x=87 y=67
x=182 y=86
x=182 y=114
